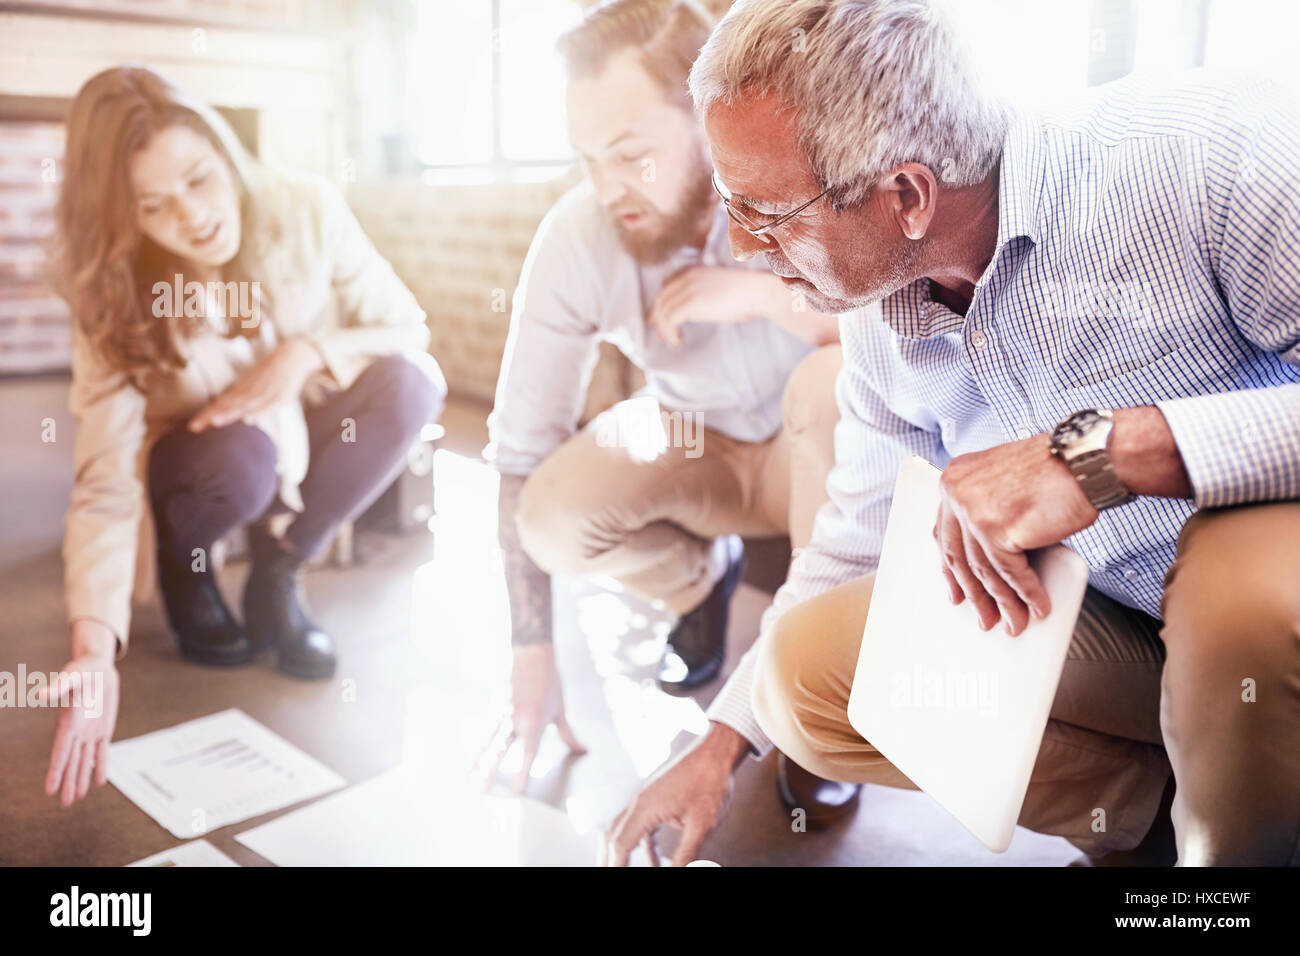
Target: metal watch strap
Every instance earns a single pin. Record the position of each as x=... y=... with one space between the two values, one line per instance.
x=1097 y=476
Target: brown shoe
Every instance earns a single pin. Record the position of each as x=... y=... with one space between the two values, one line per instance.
x=824 y=801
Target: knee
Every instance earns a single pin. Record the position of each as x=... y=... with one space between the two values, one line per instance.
x=1232 y=618
x=1231 y=592
x=775 y=691
x=235 y=461
x=809 y=397
x=414 y=388
x=801 y=722
x=782 y=696
x=548 y=525
x=229 y=469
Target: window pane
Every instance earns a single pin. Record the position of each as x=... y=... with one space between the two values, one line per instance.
x=449 y=57
x=1033 y=52
x=1255 y=35
x=532 y=78
x=1168 y=35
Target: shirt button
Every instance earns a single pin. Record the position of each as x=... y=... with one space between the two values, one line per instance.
x=1132 y=574
x=1024 y=431
x=979 y=339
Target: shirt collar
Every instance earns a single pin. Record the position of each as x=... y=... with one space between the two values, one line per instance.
x=1020 y=181
x=911 y=312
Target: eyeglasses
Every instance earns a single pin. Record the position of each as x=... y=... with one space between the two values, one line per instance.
x=744 y=222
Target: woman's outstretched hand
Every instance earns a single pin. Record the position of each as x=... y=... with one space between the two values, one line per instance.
x=86 y=694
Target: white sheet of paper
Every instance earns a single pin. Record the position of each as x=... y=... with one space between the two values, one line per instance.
x=208 y=773
x=194 y=853
x=415 y=817
x=958 y=710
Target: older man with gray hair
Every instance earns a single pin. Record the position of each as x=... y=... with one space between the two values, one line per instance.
x=1091 y=320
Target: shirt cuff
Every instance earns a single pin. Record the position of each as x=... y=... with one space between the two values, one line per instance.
x=119 y=631
x=732 y=706
x=1239 y=447
x=349 y=349
x=339 y=361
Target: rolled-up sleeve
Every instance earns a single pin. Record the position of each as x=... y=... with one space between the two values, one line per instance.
x=102 y=524
x=551 y=349
x=1243 y=446
x=870 y=445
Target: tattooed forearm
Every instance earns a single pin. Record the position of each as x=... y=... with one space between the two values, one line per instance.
x=528 y=585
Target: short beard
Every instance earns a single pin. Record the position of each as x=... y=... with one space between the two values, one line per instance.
x=896 y=274
x=676 y=228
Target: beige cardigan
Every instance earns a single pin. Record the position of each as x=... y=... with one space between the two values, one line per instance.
x=349 y=303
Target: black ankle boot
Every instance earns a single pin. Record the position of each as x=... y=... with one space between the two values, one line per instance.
x=204 y=626
x=274 y=612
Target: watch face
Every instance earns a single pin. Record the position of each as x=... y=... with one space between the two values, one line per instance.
x=1075 y=427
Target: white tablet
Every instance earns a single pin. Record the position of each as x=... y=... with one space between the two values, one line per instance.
x=960 y=711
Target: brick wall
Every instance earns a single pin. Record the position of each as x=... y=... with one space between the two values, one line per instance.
x=34 y=333
x=264 y=60
x=460 y=250
x=276 y=13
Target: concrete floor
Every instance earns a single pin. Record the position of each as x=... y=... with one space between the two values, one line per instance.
x=421 y=628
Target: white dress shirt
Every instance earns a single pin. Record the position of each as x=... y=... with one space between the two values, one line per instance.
x=579 y=287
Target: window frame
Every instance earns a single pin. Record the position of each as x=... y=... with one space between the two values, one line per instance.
x=500 y=166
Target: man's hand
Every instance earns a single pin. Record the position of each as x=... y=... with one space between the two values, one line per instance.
x=689 y=793
x=81 y=737
x=276 y=379
x=709 y=294
x=995 y=506
x=536 y=700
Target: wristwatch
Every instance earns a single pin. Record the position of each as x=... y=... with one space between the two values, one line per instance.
x=1080 y=442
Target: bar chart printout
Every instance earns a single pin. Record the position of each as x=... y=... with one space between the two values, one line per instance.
x=217 y=770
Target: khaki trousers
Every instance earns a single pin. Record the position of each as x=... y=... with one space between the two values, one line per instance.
x=1213 y=693
x=596 y=506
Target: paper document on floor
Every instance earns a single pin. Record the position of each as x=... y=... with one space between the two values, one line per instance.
x=194 y=853
x=214 y=771
x=414 y=817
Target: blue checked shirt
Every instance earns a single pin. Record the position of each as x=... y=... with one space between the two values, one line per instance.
x=1148 y=253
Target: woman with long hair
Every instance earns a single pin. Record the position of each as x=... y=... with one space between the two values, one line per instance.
x=241 y=356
